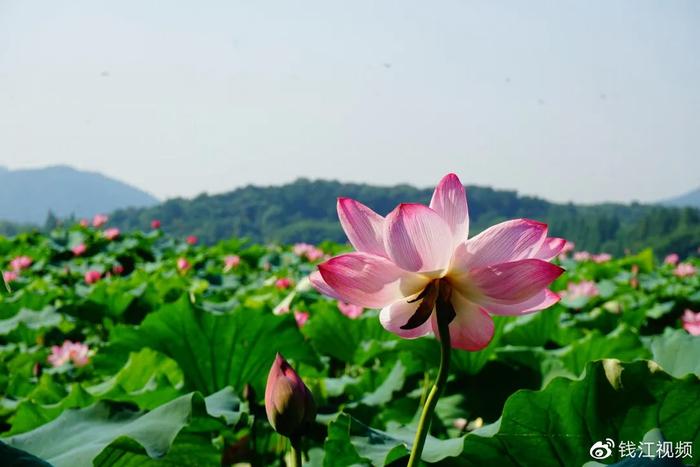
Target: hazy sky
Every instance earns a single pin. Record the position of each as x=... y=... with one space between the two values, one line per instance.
x=583 y=101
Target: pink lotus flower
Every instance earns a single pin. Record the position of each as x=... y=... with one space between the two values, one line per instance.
x=671 y=259
x=155 y=224
x=417 y=255
x=582 y=256
x=20 y=262
x=289 y=404
x=582 y=289
x=567 y=248
x=117 y=269
x=79 y=249
x=684 y=270
x=84 y=222
x=183 y=265
x=9 y=276
x=112 y=233
x=191 y=239
x=601 y=258
x=92 y=276
x=283 y=283
x=230 y=262
x=309 y=251
x=301 y=317
x=350 y=310
x=70 y=351
x=99 y=220
x=691 y=322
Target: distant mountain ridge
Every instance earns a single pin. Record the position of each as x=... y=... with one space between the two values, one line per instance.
x=27 y=195
x=691 y=199
x=305 y=211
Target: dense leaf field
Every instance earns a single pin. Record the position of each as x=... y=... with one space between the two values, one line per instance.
x=180 y=338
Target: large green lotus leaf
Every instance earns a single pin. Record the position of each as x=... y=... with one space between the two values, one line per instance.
x=677 y=352
x=555 y=426
x=31 y=320
x=219 y=350
x=18 y=458
x=78 y=437
x=148 y=380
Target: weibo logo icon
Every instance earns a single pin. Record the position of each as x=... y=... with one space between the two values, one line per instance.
x=602 y=450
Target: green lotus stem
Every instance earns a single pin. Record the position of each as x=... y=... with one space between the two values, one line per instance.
x=296 y=452
x=438 y=386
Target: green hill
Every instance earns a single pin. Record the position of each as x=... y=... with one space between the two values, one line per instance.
x=305 y=211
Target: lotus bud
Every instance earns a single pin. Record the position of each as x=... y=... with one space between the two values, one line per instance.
x=289 y=404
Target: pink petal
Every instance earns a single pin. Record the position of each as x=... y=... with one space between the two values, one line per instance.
x=397 y=314
x=550 y=248
x=369 y=280
x=417 y=238
x=504 y=242
x=539 y=301
x=471 y=329
x=450 y=202
x=320 y=284
x=513 y=282
x=364 y=227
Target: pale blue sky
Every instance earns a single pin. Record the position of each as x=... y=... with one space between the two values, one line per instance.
x=583 y=101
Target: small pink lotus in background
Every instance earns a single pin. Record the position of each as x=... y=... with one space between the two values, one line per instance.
x=231 y=261
x=9 y=276
x=20 y=262
x=76 y=352
x=117 y=269
x=582 y=256
x=601 y=258
x=283 y=283
x=155 y=224
x=671 y=259
x=566 y=249
x=350 y=310
x=301 y=317
x=191 y=240
x=183 y=265
x=419 y=256
x=581 y=289
x=84 y=223
x=92 y=276
x=691 y=322
x=79 y=249
x=99 y=220
x=112 y=233
x=684 y=270
x=309 y=251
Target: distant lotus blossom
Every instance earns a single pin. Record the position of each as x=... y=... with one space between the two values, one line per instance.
x=183 y=265
x=20 y=262
x=99 y=220
x=301 y=317
x=684 y=270
x=582 y=256
x=117 y=269
x=418 y=256
x=76 y=352
x=601 y=258
x=9 y=276
x=283 y=283
x=191 y=239
x=84 y=222
x=231 y=261
x=691 y=322
x=155 y=224
x=671 y=259
x=311 y=252
x=92 y=276
x=581 y=289
x=566 y=249
x=79 y=249
x=112 y=233
x=350 y=310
